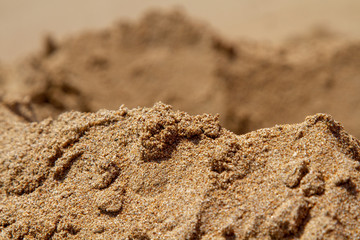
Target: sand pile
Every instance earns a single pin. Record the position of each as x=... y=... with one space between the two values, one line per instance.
x=155 y=173
x=300 y=79
x=173 y=58
x=136 y=64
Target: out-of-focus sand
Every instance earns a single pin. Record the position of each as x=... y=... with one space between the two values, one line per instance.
x=172 y=57
x=23 y=23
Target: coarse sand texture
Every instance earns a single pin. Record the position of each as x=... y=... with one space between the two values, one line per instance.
x=155 y=173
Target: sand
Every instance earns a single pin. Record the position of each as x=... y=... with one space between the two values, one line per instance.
x=155 y=173
x=164 y=54
x=216 y=165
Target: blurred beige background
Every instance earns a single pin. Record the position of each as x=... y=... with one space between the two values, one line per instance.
x=23 y=23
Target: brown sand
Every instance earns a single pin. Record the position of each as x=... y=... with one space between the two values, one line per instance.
x=164 y=55
x=156 y=173
x=152 y=173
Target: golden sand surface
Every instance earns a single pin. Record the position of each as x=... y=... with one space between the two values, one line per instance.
x=156 y=173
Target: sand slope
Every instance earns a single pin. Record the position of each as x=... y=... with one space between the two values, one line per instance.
x=155 y=173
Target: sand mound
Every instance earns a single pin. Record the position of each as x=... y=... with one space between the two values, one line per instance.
x=153 y=173
x=282 y=89
x=136 y=64
x=171 y=58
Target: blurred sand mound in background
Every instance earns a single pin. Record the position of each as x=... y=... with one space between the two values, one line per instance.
x=167 y=56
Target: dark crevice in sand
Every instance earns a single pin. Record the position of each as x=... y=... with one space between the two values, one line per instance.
x=22 y=109
x=64 y=164
x=196 y=233
x=349 y=186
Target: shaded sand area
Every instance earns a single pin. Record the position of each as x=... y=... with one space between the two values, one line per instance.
x=155 y=173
